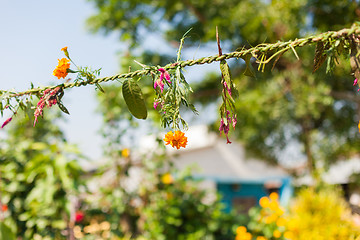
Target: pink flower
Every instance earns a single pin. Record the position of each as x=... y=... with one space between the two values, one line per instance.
x=6 y=122
x=227 y=88
x=224 y=128
x=234 y=121
x=159 y=83
x=355 y=82
x=156 y=103
x=48 y=99
x=164 y=74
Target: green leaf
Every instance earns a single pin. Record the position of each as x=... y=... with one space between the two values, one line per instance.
x=134 y=99
x=249 y=71
x=355 y=60
x=225 y=70
x=99 y=87
x=63 y=108
x=5 y=232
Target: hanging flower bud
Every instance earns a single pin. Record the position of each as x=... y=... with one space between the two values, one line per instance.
x=6 y=122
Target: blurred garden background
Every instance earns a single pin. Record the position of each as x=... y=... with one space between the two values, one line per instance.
x=291 y=172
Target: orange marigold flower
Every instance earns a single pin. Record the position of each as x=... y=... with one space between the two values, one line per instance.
x=359 y=126
x=64 y=49
x=61 y=69
x=176 y=140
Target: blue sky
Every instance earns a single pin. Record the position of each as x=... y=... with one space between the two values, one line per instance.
x=32 y=34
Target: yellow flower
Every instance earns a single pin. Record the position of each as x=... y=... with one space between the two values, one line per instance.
x=240 y=230
x=125 y=152
x=274 y=205
x=279 y=211
x=270 y=219
x=61 y=69
x=288 y=235
x=274 y=196
x=247 y=236
x=261 y=238
x=167 y=178
x=281 y=222
x=264 y=202
x=359 y=126
x=176 y=140
x=277 y=234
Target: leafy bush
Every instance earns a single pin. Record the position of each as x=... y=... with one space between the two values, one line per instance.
x=313 y=215
x=321 y=214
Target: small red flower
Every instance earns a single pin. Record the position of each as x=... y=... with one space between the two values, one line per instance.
x=79 y=216
x=4 y=208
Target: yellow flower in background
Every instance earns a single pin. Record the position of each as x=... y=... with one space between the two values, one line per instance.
x=274 y=196
x=167 y=178
x=176 y=140
x=261 y=238
x=280 y=222
x=125 y=152
x=244 y=236
x=280 y=211
x=264 y=202
x=240 y=230
x=277 y=234
x=274 y=205
x=270 y=219
x=359 y=126
x=61 y=70
x=247 y=236
x=288 y=235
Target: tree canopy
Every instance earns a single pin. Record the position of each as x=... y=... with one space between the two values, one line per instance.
x=291 y=106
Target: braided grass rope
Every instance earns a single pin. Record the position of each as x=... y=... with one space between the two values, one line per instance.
x=279 y=46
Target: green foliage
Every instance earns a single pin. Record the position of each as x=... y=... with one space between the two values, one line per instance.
x=179 y=211
x=38 y=179
x=6 y=232
x=289 y=104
